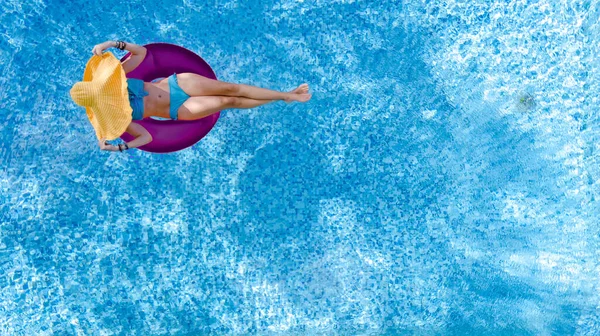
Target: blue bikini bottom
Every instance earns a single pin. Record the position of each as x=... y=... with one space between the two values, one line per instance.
x=176 y=96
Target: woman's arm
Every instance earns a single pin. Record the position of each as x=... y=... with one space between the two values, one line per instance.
x=142 y=137
x=138 y=53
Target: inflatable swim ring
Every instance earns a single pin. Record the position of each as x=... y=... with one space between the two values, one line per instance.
x=162 y=60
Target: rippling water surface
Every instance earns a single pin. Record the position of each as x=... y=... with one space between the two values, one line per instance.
x=442 y=181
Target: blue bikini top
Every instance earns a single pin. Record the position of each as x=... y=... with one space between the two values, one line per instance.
x=135 y=88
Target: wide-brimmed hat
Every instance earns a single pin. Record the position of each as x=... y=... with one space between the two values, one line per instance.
x=103 y=93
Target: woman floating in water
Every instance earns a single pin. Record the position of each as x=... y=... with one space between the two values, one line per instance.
x=112 y=101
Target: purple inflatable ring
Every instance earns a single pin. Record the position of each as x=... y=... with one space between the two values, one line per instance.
x=162 y=60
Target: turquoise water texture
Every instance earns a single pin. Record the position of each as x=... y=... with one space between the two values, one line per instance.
x=443 y=180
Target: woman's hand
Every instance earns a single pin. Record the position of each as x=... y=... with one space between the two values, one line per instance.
x=106 y=146
x=99 y=48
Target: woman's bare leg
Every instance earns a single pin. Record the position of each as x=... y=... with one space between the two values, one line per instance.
x=203 y=106
x=196 y=85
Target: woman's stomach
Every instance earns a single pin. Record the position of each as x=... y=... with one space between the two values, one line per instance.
x=157 y=102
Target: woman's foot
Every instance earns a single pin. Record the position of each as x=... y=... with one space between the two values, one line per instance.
x=299 y=94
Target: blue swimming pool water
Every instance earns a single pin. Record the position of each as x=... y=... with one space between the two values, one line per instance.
x=442 y=181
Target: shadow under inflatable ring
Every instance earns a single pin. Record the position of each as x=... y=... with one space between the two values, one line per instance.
x=162 y=60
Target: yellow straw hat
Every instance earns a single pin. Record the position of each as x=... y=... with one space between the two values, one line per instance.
x=103 y=93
